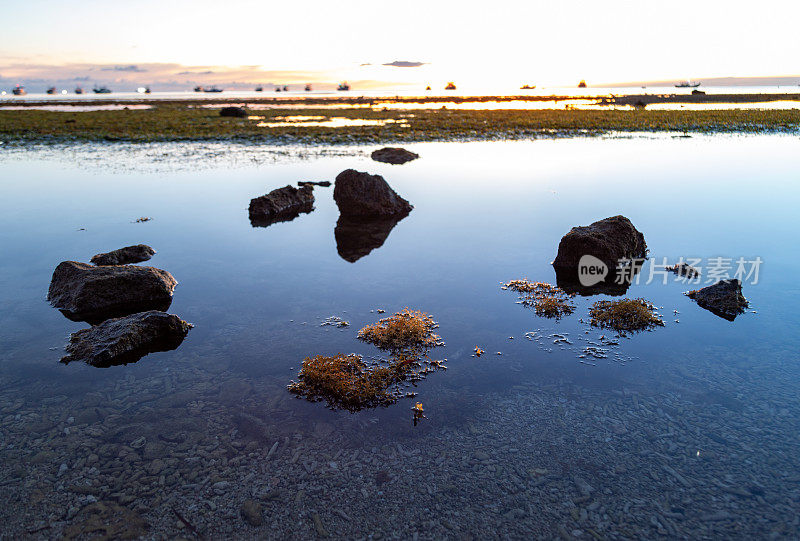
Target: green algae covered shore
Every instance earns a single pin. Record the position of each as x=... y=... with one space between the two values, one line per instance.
x=347 y=125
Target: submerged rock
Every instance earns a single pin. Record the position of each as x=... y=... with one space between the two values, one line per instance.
x=724 y=299
x=126 y=339
x=608 y=240
x=394 y=155
x=361 y=195
x=356 y=238
x=251 y=512
x=238 y=112
x=86 y=293
x=281 y=205
x=123 y=256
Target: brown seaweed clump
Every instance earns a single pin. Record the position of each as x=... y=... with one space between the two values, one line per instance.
x=546 y=299
x=406 y=332
x=625 y=315
x=347 y=382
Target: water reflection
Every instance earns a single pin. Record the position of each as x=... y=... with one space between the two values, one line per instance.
x=356 y=238
x=614 y=284
x=259 y=220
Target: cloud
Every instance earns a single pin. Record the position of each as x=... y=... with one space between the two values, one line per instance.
x=131 y=67
x=168 y=76
x=405 y=64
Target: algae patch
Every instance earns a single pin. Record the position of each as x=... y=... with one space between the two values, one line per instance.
x=349 y=382
x=546 y=299
x=625 y=315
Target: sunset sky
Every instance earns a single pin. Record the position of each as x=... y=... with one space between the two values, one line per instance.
x=176 y=43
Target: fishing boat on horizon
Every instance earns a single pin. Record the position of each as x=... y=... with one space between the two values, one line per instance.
x=343 y=86
x=687 y=84
x=259 y=89
x=52 y=90
x=450 y=86
x=582 y=84
x=18 y=90
x=78 y=90
x=527 y=87
x=198 y=88
x=212 y=89
x=101 y=90
x=308 y=88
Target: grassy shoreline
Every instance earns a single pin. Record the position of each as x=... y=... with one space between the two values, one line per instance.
x=181 y=123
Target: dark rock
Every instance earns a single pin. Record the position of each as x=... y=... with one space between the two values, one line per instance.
x=238 y=112
x=356 y=238
x=682 y=269
x=609 y=240
x=281 y=205
x=361 y=195
x=394 y=155
x=323 y=183
x=251 y=512
x=86 y=293
x=724 y=299
x=126 y=339
x=123 y=256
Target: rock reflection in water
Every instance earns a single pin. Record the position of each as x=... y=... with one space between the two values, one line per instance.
x=356 y=238
x=615 y=284
x=260 y=221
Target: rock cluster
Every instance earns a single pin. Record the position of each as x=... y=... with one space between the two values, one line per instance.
x=124 y=303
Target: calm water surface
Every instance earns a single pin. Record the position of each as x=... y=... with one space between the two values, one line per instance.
x=688 y=431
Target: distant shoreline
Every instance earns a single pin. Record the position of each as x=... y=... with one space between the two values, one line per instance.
x=372 y=125
x=623 y=99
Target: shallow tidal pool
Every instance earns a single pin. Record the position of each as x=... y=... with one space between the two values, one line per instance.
x=688 y=431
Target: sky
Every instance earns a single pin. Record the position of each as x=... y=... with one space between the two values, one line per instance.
x=178 y=43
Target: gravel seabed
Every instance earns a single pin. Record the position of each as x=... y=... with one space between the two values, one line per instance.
x=539 y=459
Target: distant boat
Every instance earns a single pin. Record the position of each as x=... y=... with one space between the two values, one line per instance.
x=278 y=89
x=427 y=88
x=259 y=89
x=199 y=89
x=527 y=87
x=285 y=88
x=582 y=84
x=450 y=86
x=101 y=90
x=687 y=84
x=308 y=88
x=18 y=90
x=147 y=90
x=212 y=89
x=343 y=86
x=78 y=90
x=52 y=90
